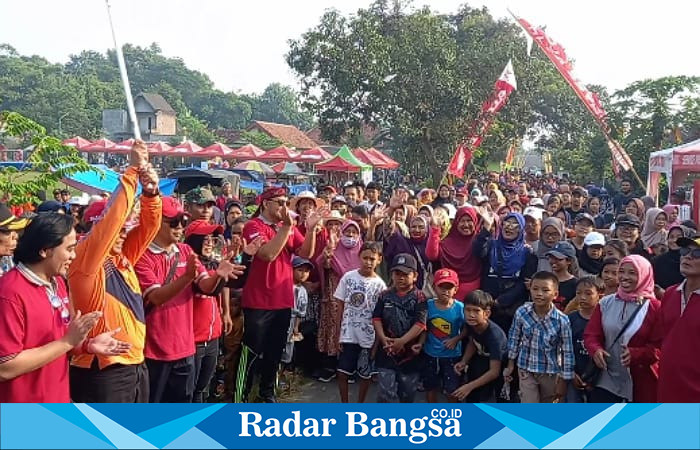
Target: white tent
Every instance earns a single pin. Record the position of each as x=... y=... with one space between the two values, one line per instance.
x=677 y=163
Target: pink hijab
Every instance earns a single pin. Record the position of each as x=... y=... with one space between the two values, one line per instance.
x=456 y=250
x=668 y=209
x=346 y=259
x=645 y=279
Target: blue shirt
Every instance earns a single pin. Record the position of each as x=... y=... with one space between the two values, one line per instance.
x=541 y=344
x=444 y=324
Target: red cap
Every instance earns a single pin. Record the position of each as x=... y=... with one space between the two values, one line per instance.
x=94 y=212
x=330 y=188
x=172 y=208
x=202 y=228
x=446 y=276
x=463 y=191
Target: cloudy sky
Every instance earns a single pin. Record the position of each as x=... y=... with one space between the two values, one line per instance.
x=241 y=44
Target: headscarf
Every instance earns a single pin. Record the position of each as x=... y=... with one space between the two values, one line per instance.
x=230 y=204
x=648 y=202
x=499 y=195
x=645 y=279
x=588 y=264
x=650 y=235
x=401 y=242
x=346 y=259
x=512 y=253
x=542 y=249
x=456 y=250
x=640 y=208
x=668 y=209
x=439 y=200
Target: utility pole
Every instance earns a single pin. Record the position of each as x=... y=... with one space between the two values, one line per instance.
x=60 y=131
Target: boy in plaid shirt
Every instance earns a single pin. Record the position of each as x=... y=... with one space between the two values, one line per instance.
x=540 y=343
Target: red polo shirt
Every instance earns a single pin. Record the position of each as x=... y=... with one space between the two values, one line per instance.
x=679 y=365
x=169 y=327
x=27 y=320
x=207 y=318
x=270 y=285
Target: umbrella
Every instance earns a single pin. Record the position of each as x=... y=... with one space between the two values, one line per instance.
x=280 y=153
x=186 y=148
x=159 y=148
x=216 y=149
x=100 y=145
x=77 y=142
x=248 y=151
x=369 y=158
x=315 y=154
x=286 y=168
x=255 y=166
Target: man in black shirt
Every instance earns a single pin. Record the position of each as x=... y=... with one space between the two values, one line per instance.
x=623 y=197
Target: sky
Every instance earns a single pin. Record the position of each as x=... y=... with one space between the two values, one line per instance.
x=240 y=44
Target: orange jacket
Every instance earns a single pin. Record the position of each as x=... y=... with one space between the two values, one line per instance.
x=99 y=281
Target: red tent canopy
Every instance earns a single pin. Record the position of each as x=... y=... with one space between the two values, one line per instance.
x=216 y=149
x=159 y=148
x=337 y=164
x=186 y=148
x=100 y=145
x=313 y=155
x=369 y=158
x=248 y=151
x=124 y=146
x=390 y=163
x=280 y=153
x=77 y=142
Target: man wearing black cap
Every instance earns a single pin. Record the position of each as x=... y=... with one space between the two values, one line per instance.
x=399 y=319
x=578 y=199
x=627 y=228
x=583 y=225
x=268 y=295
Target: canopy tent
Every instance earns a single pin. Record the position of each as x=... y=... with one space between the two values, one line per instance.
x=77 y=142
x=280 y=153
x=287 y=168
x=248 y=151
x=343 y=161
x=369 y=158
x=186 y=148
x=316 y=154
x=677 y=163
x=159 y=148
x=217 y=149
x=125 y=146
x=389 y=162
x=100 y=145
x=95 y=183
x=255 y=166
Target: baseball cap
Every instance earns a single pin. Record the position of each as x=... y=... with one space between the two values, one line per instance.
x=585 y=216
x=329 y=188
x=462 y=191
x=202 y=227
x=339 y=198
x=687 y=242
x=94 y=212
x=536 y=202
x=562 y=250
x=594 y=238
x=333 y=216
x=172 y=208
x=8 y=221
x=199 y=196
x=534 y=212
x=443 y=276
x=405 y=263
x=298 y=261
x=628 y=219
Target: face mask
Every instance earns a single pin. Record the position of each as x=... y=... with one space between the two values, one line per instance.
x=348 y=242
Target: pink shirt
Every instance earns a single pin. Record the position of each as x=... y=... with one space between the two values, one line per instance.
x=169 y=327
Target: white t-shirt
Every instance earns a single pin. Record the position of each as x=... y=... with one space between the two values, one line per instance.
x=360 y=296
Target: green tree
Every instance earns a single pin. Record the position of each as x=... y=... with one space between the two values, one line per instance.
x=51 y=160
x=280 y=104
x=260 y=139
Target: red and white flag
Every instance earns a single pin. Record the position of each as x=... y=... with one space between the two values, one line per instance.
x=556 y=53
x=505 y=84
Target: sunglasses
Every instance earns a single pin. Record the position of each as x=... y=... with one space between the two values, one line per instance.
x=180 y=220
x=694 y=253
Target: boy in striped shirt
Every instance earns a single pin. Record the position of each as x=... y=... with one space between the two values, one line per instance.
x=540 y=343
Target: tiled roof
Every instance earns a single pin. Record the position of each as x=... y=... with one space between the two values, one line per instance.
x=157 y=102
x=288 y=134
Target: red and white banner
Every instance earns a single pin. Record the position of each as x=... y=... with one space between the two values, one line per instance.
x=556 y=53
x=505 y=84
x=510 y=155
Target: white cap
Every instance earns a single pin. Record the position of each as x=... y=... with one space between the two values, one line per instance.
x=594 y=238
x=536 y=202
x=81 y=201
x=534 y=212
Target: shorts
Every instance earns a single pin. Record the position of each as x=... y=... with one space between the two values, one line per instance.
x=354 y=359
x=440 y=373
x=395 y=386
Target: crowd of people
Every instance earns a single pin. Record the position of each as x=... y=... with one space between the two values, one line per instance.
x=507 y=288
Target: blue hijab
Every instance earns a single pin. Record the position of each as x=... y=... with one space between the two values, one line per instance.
x=513 y=254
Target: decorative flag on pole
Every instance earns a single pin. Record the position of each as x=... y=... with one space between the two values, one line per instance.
x=505 y=84
x=557 y=55
x=510 y=155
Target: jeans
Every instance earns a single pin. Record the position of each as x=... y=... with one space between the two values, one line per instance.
x=204 y=366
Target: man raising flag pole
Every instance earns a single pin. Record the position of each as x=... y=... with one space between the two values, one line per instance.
x=505 y=84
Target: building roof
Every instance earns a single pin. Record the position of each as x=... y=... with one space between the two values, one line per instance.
x=288 y=134
x=157 y=102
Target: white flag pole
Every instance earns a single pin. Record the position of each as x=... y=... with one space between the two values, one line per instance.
x=125 y=78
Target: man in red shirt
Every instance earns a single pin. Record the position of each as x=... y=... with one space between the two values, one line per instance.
x=679 y=366
x=36 y=328
x=167 y=273
x=268 y=295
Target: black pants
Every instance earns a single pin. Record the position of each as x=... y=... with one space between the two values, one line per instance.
x=171 y=381
x=600 y=395
x=204 y=366
x=116 y=383
x=265 y=335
